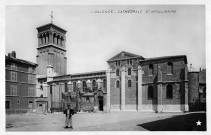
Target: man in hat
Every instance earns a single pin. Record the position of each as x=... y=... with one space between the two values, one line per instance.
x=69 y=112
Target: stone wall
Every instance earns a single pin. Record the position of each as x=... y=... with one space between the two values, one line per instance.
x=159 y=80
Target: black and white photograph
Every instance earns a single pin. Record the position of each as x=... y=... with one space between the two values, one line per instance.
x=139 y=67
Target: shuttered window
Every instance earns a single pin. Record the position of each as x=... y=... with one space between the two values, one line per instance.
x=13 y=90
x=13 y=76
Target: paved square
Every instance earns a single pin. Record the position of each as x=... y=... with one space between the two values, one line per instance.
x=114 y=121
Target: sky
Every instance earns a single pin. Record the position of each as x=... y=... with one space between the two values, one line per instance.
x=93 y=38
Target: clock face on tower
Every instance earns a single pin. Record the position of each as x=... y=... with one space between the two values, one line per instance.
x=51 y=49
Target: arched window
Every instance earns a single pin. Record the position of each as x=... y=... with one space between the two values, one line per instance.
x=104 y=83
x=129 y=62
x=150 y=92
x=74 y=86
x=94 y=85
x=117 y=63
x=117 y=84
x=169 y=91
x=54 y=38
x=84 y=86
x=151 y=69
x=204 y=92
x=117 y=72
x=129 y=83
x=129 y=71
x=169 y=68
x=57 y=40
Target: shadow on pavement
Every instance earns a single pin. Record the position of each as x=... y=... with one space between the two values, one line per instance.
x=186 y=122
x=9 y=125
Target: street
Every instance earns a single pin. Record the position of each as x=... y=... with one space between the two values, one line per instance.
x=114 y=121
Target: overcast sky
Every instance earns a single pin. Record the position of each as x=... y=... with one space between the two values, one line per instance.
x=93 y=38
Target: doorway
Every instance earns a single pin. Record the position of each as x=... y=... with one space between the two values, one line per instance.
x=40 y=108
x=100 y=99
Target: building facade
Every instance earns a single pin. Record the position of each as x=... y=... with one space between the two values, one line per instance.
x=20 y=84
x=197 y=90
x=147 y=84
x=83 y=91
x=51 y=49
x=133 y=83
x=51 y=59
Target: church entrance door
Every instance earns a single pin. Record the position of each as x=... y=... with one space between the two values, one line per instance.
x=100 y=99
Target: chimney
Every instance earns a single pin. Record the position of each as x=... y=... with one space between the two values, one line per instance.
x=9 y=55
x=13 y=54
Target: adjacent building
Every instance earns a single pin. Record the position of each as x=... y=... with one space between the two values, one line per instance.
x=197 y=89
x=20 y=81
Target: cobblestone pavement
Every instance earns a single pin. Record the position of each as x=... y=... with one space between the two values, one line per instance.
x=114 y=121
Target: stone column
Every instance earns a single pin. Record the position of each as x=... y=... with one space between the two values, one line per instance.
x=186 y=89
x=46 y=39
x=108 y=78
x=43 y=40
x=51 y=38
x=55 y=40
x=50 y=97
x=59 y=41
x=64 y=41
x=39 y=41
x=123 y=88
x=159 y=93
x=140 y=88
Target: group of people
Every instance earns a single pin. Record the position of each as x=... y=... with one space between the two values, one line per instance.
x=69 y=113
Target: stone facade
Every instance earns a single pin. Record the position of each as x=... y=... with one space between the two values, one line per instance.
x=134 y=95
x=20 y=84
x=51 y=49
x=132 y=82
x=89 y=89
x=197 y=90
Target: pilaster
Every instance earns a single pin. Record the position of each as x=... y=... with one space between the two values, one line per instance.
x=159 y=92
x=140 y=72
x=108 y=78
x=123 y=89
x=186 y=89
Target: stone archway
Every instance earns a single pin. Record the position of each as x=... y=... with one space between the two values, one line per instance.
x=100 y=103
x=100 y=100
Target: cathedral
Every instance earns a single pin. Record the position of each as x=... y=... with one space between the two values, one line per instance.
x=132 y=82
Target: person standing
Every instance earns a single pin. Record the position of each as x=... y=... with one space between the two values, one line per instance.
x=69 y=112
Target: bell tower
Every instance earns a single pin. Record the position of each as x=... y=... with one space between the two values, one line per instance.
x=51 y=49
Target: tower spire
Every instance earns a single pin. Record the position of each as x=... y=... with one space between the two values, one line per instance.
x=51 y=15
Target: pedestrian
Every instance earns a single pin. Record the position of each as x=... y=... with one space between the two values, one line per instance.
x=69 y=112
